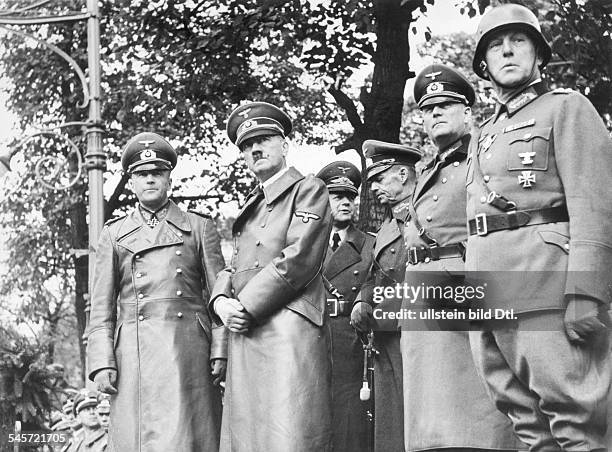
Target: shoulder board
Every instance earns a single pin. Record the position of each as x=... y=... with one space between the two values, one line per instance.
x=113 y=220
x=562 y=91
x=373 y=234
x=200 y=214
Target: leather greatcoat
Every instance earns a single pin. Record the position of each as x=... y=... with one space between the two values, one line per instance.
x=277 y=394
x=149 y=322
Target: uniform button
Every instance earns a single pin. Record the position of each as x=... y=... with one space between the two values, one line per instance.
x=487 y=178
x=435 y=197
x=270 y=208
x=238 y=233
x=392 y=250
x=137 y=256
x=444 y=180
x=356 y=272
x=391 y=269
x=263 y=225
x=427 y=260
x=179 y=315
x=179 y=293
x=141 y=296
x=256 y=264
x=236 y=252
x=527 y=135
x=233 y=291
x=566 y=246
x=428 y=218
x=138 y=275
x=257 y=243
x=455 y=163
x=483 y=199
x=354 y=289
x=141 y=317
x=178 y=252
x=179 y=271
x=180 y=234
x=233 y=270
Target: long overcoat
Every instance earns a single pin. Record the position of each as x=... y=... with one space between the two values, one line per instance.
x=388 y=264
x=149 y=322
x=445 y=403
x=346 y=269
x=277 y=394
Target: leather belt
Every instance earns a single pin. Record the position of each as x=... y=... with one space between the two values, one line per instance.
x=426 y=254
x=484 y=224
x=337 y=307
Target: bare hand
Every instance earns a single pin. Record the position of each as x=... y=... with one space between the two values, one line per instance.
x=233 y=315
x=582 y=319
x=219 y=366
x=105 y=380
x=361 y=316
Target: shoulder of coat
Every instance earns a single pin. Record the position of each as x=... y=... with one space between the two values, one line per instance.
x=114 y=220
x=200 y=214
x=483 y=123
x=373 y=234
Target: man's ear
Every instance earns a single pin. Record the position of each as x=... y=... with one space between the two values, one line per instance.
x=285 y=147
x=130 y=183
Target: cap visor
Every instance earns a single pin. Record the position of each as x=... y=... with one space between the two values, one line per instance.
x=377 y=170
x=257 y=133
x=440 y=99
x=337 y=188
x=150 y=165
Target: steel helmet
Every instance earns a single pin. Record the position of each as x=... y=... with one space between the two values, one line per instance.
x=504 y=17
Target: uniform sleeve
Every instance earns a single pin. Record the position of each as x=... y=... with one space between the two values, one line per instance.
x=300 y=261
x=103 y=317
x=583 y=150
x=213 y=263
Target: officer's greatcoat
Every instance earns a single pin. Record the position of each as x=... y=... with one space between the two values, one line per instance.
x=544 y=150
x=345 y=271
x=277 y=394
x=389 y=262
x=445 y=403
x=160 y=340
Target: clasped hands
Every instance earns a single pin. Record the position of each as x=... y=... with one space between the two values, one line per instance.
x=233 y=314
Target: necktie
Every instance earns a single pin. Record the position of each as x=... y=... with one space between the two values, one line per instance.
x=335 y=241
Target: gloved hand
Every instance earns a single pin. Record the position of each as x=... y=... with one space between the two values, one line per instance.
x=583 y=318
x=105 y=380
x=361 y=317
x=232 y=314
x=219 y=366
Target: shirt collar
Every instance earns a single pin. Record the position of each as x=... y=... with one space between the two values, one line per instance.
x=277 y=176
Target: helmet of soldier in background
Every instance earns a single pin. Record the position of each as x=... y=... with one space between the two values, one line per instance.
x=341 y=177
x=148 y=151
x=508 y=17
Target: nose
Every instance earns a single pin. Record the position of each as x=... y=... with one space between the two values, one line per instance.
x=374 y=187
x=437 y=110
x=507 y=46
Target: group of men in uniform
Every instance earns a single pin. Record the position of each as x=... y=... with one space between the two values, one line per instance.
x=84 y=420
x=522 y=201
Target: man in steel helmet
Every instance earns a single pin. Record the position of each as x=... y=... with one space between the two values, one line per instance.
x=538 y=209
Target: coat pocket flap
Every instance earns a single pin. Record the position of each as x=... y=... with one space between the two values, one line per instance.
x=556 y=238
x=543 y=133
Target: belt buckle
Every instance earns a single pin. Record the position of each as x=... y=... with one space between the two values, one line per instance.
x=481 y=224
x=413 y=257
x=334 y=303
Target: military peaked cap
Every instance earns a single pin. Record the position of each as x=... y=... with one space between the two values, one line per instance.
x=438 y=83
x=384 y=155
x=148 y=151
x=257 y=119
x=341 y=177
x=83 y=400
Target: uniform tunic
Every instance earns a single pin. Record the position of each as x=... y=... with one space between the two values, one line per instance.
x=389 y=262
x=161 y=342
x=278 y=379
x=542 y=150
x=94 y=441
x=345 y=270
x=445 y=403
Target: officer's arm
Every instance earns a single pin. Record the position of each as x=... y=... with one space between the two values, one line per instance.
x=102 y=321
x=583 y=150
x=300 y=261
x=213 y=263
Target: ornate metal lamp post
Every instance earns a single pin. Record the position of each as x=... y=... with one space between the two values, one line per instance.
x=95 y=157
